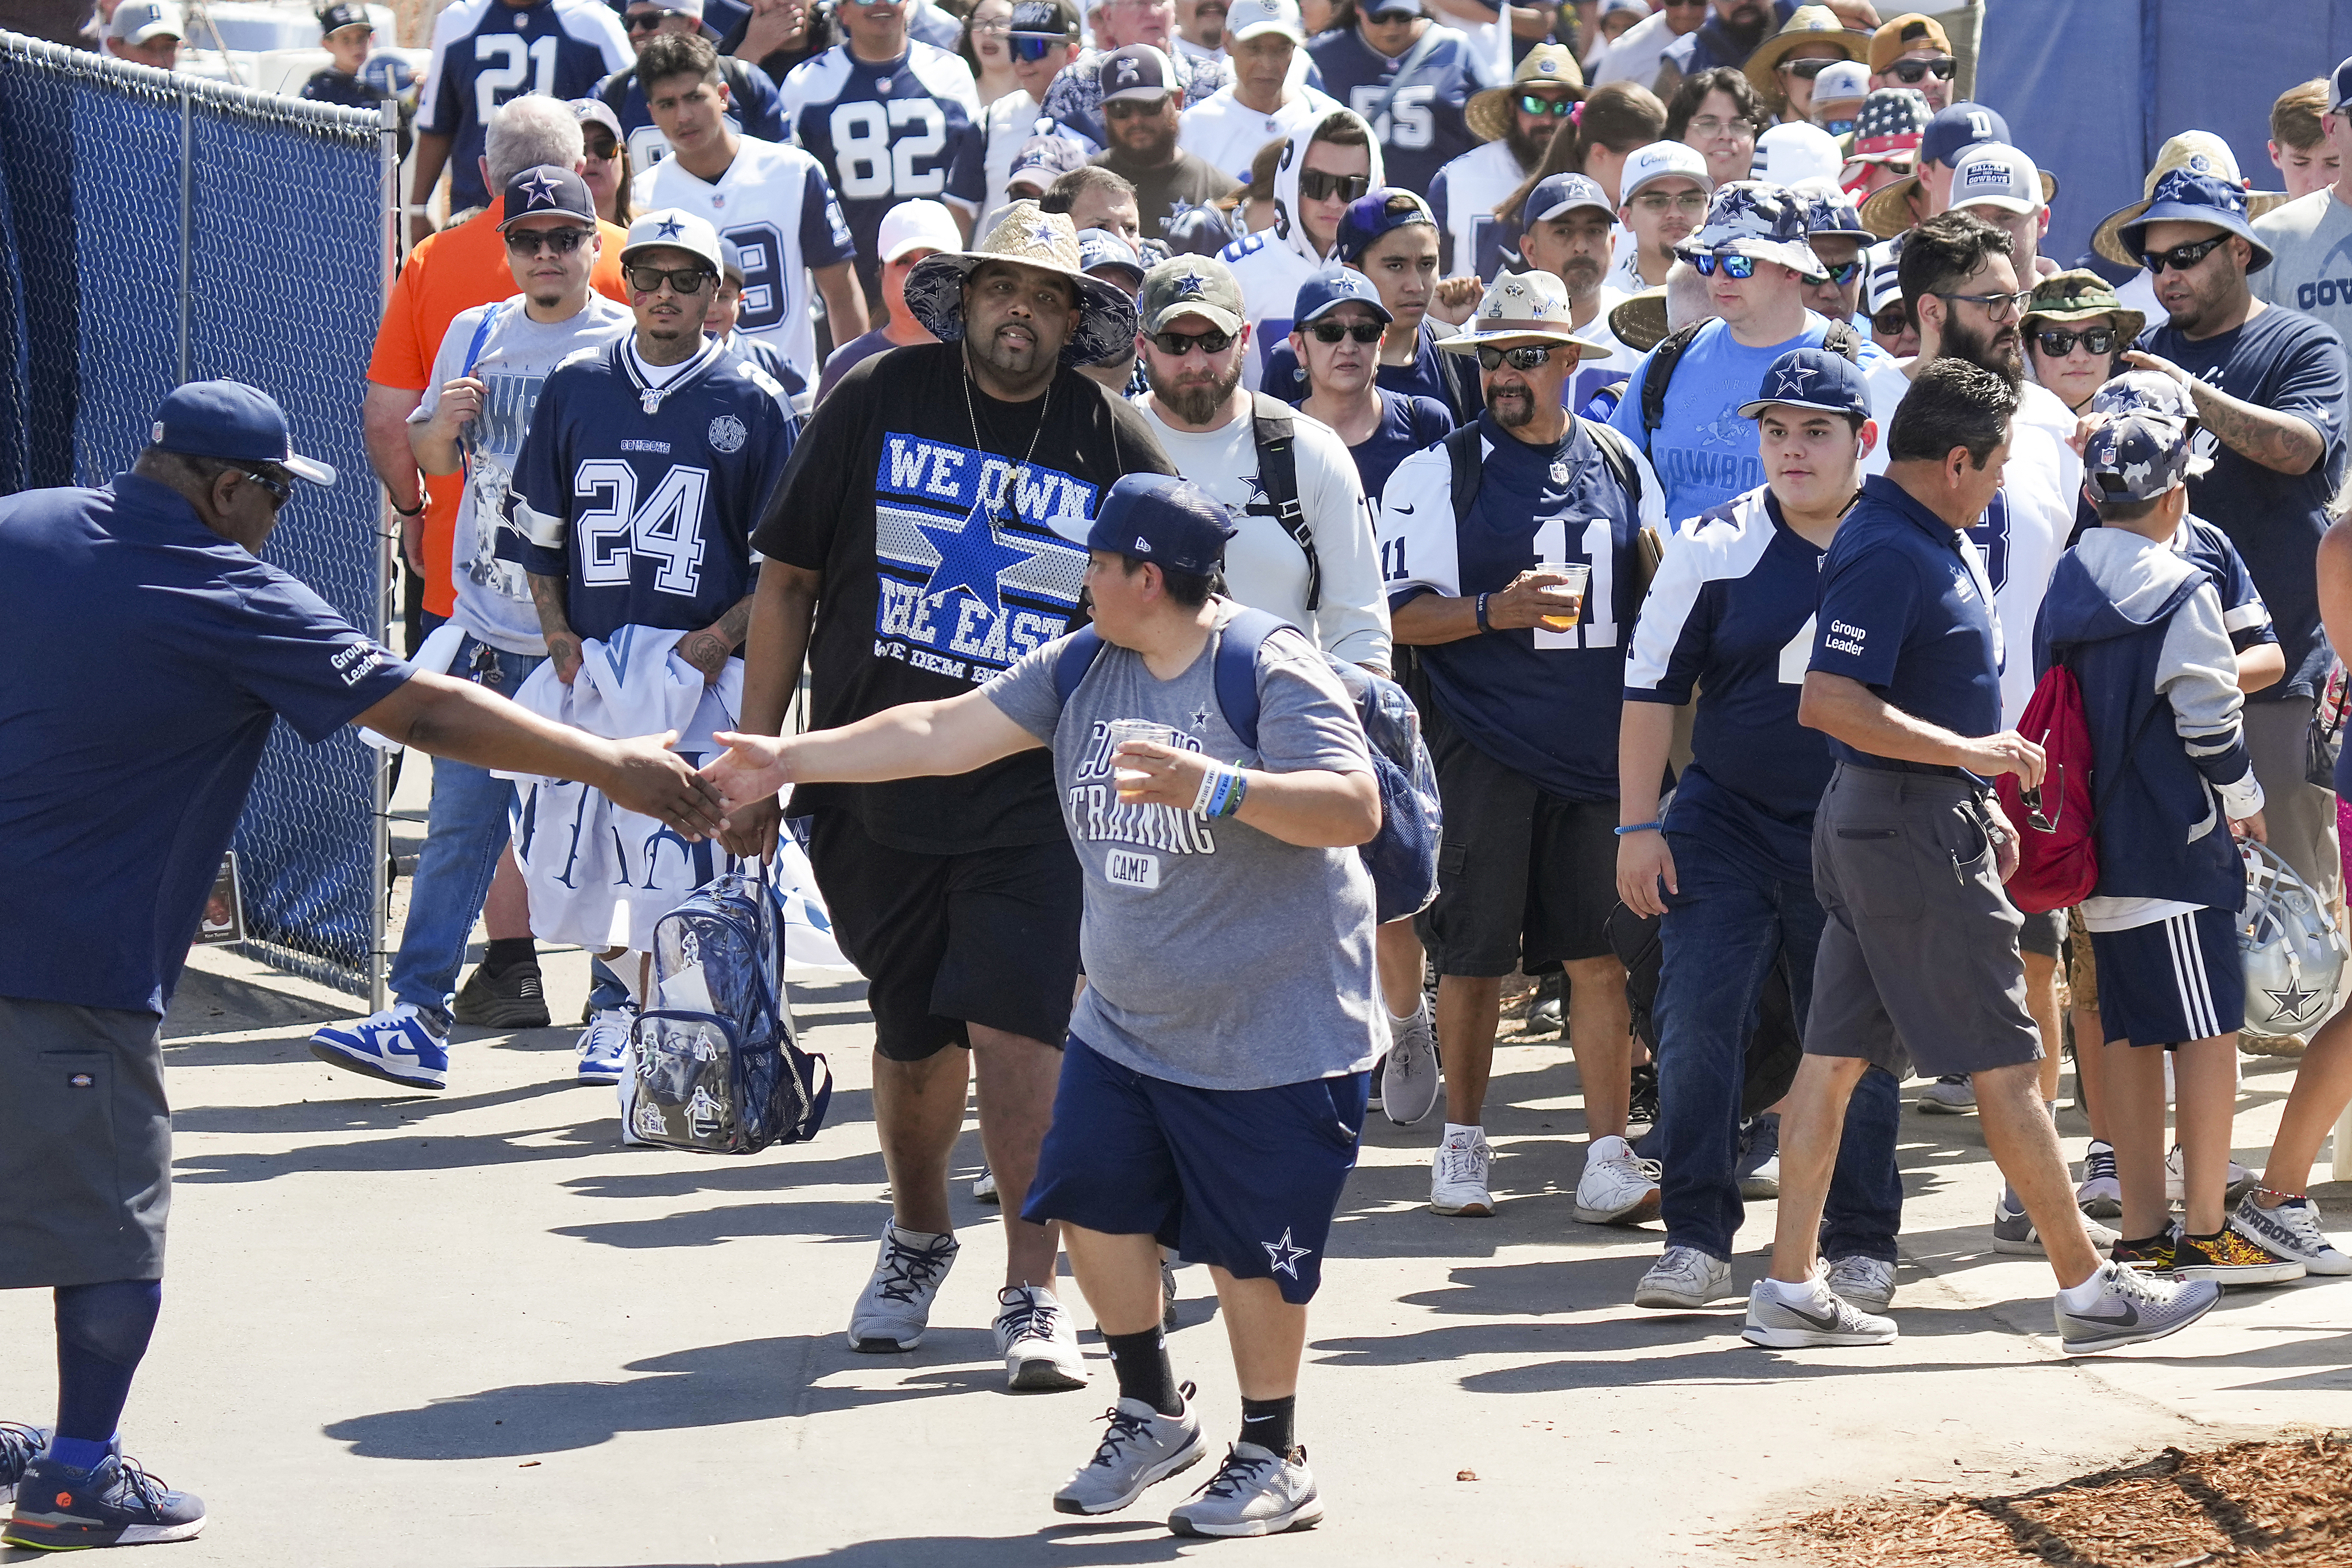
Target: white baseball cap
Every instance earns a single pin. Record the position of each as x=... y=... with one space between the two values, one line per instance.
x=1657 y=161
x=1247 y=18
x=674 y=228
x=1794 y=153
x=1994 y=174
x=918 y=225
x=137 y=21
x=1841 y=81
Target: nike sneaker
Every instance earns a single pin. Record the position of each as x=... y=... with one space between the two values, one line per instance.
x=1823 y=1320
x=2132 y=1308
x=403 y=1045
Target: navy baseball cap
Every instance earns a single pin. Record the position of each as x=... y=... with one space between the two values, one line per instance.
x=233 y=421
x=1811 y=378
x=2186 y=196
x=1559 y=194
x=1100 y=248
x=1961 y=126
x=1367 y=217
x=1328 y=290
x=335 y=18
x=1161 y=519
x=2136 y=457
x=1045 y=159
x=2340 y=89
x=548 y=191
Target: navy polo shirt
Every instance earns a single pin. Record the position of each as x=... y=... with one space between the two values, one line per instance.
x=146 y=656
x=1906 y=611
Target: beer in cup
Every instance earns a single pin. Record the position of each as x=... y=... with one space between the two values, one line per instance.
x=1578 y=576
x=1121 y=731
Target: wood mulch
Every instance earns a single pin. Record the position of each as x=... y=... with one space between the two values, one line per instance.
x=2273 y=1503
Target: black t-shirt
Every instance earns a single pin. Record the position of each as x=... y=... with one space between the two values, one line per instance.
x=931 y=588
x=1190 y=182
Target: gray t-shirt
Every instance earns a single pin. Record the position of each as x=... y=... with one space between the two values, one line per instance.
x=2311 y=271
x=1216 y=955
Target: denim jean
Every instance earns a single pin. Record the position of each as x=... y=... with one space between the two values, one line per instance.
x=1723 y=932
x=470 y=821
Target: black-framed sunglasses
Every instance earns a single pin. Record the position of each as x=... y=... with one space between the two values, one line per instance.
x=1805 y=70
x=1526 y=357
x=1032 y=46
x=2031 y=800
x=1135 y=107
x=602 y=148
x=1558 y=108
x=646 y=21
x=681 y=280
x=280 y=490
x=2058 y=344
x=1317 y=186
x=1706 y=264
x=562 y=242
x=1332 y=332
x=2180 y=257
x=1911 y=73
x=1843 y=272
x=1891 y=322
x=1176 y=345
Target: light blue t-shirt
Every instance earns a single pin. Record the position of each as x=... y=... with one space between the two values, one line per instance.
x=1704 y=454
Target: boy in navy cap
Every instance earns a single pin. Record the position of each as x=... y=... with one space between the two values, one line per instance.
x=1213 y=1082
x=1390 y=236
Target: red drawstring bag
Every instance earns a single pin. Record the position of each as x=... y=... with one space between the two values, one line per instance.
x=2057 y=860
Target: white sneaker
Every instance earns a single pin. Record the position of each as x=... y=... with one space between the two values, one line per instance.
x=2241 y=1181
x=1949 y=1096
x=895 y=1307
x=984 y=1189
x=1037 y=1340
x=1255 y=1491
x=604 y=1045
x=1409 y=1072
x=1618 y=1186
x=1827 y=1319
x=1140 y=1447
x=2290 y=1231
x=1866 y=1283
x=1457 y=1175
x=2101 y=1196
x=1682 y=1278
x=401 y=1045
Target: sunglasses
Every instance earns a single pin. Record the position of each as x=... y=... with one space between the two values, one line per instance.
x=531 y=242
x=1520 y=359
x=1995 y=306
x=681 y=280
x=2180 y=257
x=1316 y=186
x=1911 y=73
x=1706 y=264
x=1032 y=46
x=1805 y=70
x=1838 y=126
x=1657 y=202
x=646 y=21
x=1891 y=322
x=1558 y=108
x=281 y=491
x=1135 y=108
x=1332 y=332
x=1176 y=345
x=1841 y=273
x=2058 y=344
x=604 y=149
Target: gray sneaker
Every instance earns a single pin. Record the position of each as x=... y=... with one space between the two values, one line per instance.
x=1140 y=1447
x=1758 y=1169
x=1682 y=1278
x=1951 y=1095
x=1409 y=1074
x=2290 y=1231
x=2134 y=1307
x=895 y=1307
x=1826 y=1320
x=2013 y=1232
x=1864 y=1282
x=20 y=1445
x=1255 y=1491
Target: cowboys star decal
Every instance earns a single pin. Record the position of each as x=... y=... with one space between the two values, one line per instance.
x=1042 y=234
x=1190 y=284
x=668 y=228
x=1792 y=382
x=539 y=191
x=2294 y=1002
x=1284 y=1255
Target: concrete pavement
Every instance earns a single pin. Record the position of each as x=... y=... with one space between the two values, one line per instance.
x=472 y=1329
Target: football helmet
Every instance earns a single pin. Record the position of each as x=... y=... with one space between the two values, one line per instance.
x=2294 y=955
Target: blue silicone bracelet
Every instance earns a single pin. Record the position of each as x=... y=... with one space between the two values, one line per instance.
x=1641 y=828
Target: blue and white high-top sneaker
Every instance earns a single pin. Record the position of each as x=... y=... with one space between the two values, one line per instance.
x=19 y=1446
x=401 y=1045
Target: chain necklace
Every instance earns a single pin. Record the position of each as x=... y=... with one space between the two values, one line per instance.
x=1004 y=511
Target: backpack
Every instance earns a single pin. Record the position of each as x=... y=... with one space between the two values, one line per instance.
x=1277 y=475
x=2057 y=859
x=1402 y=856
x=1465 y=457
x=712 y=1067
x=1840 y=338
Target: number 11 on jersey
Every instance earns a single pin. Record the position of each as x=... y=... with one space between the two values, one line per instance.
x=1598 y=545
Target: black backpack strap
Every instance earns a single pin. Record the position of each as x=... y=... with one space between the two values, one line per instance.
x=617 y=91
x=1462 y=449
x=1660 y=375
x=1843 y=341
x=1277 y=477
x=1618 y=454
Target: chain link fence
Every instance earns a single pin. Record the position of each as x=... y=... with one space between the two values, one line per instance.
x=156 y=229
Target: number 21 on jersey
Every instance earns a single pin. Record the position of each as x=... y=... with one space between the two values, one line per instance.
x=1598 y=545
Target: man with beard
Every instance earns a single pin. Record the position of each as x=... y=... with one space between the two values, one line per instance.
x=1960 y=279
x=1520 y=595
x=1227 y=128
x=1515 y=124
x=932 y=510
x=1661 y=196
x=1725 y=38
x=1140 y=115
x=1073 y=102
x=1567 y=236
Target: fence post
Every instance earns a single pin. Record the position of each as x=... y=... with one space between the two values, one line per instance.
x=187 y=231
x=386 y=576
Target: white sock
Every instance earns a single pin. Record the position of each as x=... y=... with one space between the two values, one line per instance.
x=920 y=1235
x=1404 y=1017
x=2074 y=1298
x=1476 y=1134
x=1798 y=1295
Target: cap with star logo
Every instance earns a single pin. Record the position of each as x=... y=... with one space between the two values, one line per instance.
x=2136 y=457
x=1810 y=378
x=548 y=191
x=1191 y=285
x=674 y=228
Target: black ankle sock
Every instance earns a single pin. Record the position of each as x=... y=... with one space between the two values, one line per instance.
x=2209 y=1240
x=1268 y=1422
x=2145 y=1243
x=505 y=952
x=1144 y=1371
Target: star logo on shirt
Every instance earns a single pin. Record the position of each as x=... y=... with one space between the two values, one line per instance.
x=974 y=558
x=1792 y=382
x=1284 y=1255
x=668 y=227
x=2294 y=1002
x=1199 y=719
x=539 y=190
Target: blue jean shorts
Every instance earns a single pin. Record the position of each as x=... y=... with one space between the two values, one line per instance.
x=1247 y=1179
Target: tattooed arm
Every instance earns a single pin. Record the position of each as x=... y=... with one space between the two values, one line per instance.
x=706 y=649
x=2283 y=443
x=562 y=643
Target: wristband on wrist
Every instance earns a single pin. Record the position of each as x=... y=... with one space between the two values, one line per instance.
x=1483 y=624
x=1229 y=797
x=1641 y=828
x=1206 y=797
x=404 y=511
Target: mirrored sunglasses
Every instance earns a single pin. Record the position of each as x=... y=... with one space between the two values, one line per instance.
x=1558 y=108
x=1706 y=264
x=1317 y=186
x=1525 y=358
x=2057 y=343
x=1032 y=46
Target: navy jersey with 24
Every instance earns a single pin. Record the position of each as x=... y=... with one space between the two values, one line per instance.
x=647 y=513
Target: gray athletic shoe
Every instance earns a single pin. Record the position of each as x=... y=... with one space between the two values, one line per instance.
x=1255 y=1491
x=1951 y=1095
x=1140 y=1447
x=1826 y=1320
x=895 y=1307
x=1864 y=1282
x=20 y=1445
x=2013 y=1232
x=1409 y=1074
x=1682 y=1278
x=2134 y=1307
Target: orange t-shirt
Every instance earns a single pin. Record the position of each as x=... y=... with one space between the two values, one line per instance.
x=453 y=271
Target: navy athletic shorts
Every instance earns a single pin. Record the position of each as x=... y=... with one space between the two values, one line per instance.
x=1247 y=1179
x=2171 y=981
